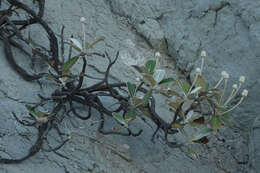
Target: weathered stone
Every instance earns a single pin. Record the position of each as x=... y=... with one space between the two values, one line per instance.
x=227 y=30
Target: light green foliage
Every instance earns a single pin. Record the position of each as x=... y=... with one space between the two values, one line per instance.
x=188 y=103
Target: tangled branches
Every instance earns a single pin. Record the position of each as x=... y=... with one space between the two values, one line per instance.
x=139 y=101
x=71 y=92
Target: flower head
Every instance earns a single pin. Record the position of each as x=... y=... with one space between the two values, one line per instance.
x=203 y=54
x=198 y=70
x=224 y=74
x=157 y=55
x=82 y=19
x=234 y=86
x=244 y=93
x=242 y=79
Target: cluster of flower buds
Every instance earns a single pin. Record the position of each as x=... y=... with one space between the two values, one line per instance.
x=225 y=77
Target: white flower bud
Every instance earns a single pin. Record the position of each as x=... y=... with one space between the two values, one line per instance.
x=82 y=19
x=224 y=74
x=198 y=70
x=138 y=79
x=157 y=55
x=242 y=79
x=245 y=93
x=203 y=54
x=234 y=86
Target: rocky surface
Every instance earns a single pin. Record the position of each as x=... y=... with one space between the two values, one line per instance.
x=227 y=30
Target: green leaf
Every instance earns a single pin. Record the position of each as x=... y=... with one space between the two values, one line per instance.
x=120 y=119
x=147 y=97
x=202 y=133
x=201 y=82
x=131 y=89
x=130 y=115
x=215 y=122
x=69 y=64
x=177 y=126
x=95 y=42
x=136 y=101
x=145 y=112
x=150 y=65
x=32 y=112
x=166 y=80
x=185 y=86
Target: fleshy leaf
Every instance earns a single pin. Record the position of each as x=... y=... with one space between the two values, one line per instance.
x=159 y=75
x=69 y=64
x=215 y=122
x=131 y=89
x=150 y=65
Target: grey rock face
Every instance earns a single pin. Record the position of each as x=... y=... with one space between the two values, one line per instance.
x=227 y=30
